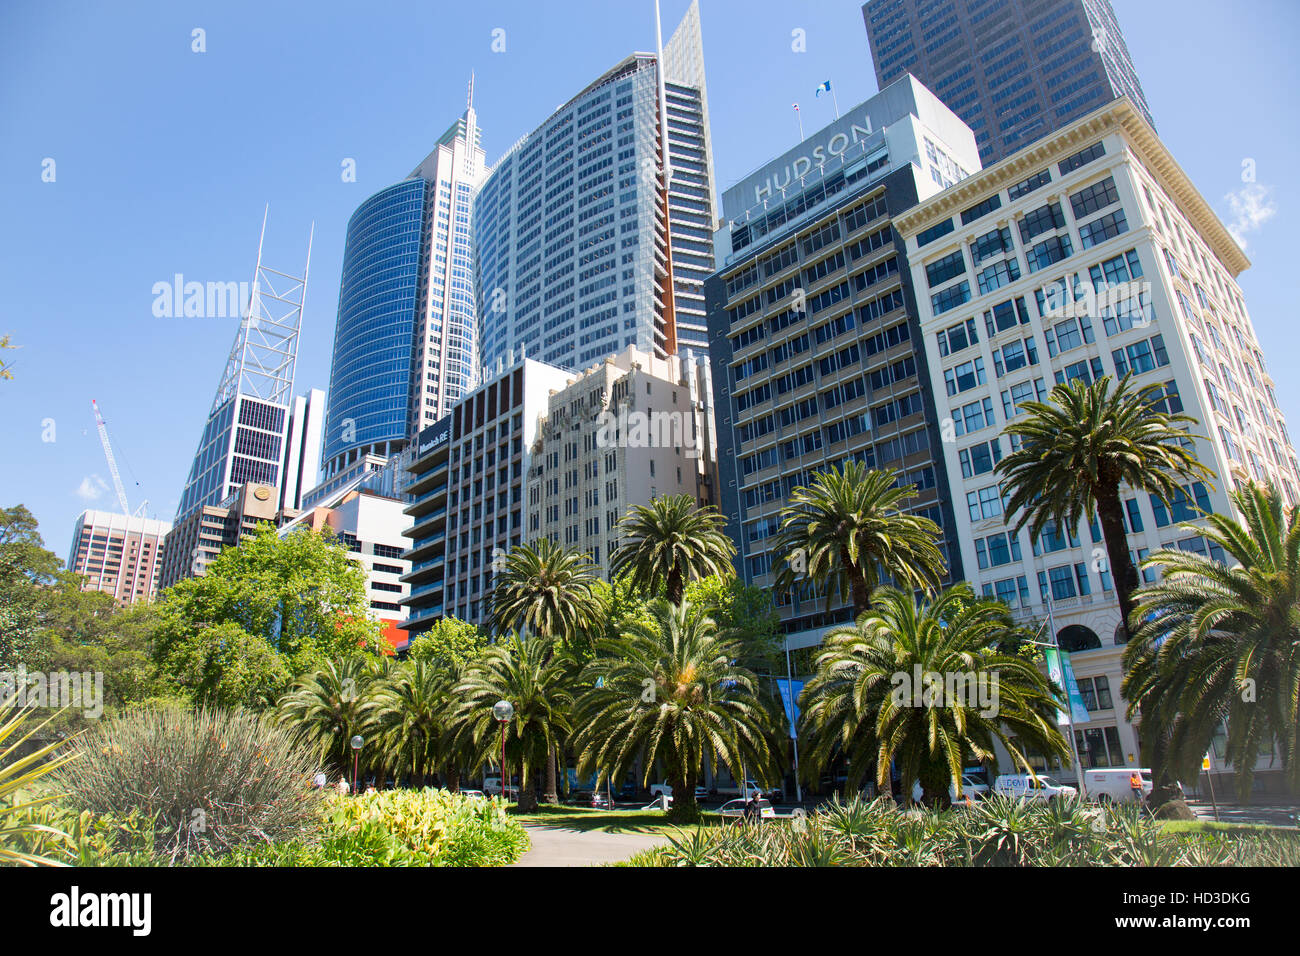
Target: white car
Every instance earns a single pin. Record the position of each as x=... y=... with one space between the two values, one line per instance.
x=736 y=808
x=1028 y=786
x=969 y=786
x=473 y=794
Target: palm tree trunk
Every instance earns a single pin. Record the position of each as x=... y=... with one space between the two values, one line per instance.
x=684 y=807
x=1124 y=574
x=675 y=588
x=1123 y=571
x=551 y=795
x=859 y=588
x=527 y=793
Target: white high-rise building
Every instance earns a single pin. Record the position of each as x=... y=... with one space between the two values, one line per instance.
x=595 y=231
x=1089 y=253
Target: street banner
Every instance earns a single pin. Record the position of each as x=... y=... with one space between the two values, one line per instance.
x=790 y=700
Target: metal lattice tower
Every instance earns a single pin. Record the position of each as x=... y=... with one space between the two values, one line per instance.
x=262 y=359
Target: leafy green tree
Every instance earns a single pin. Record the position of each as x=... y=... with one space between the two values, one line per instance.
x=27 y=570
x=866 y=704
x=671 y=542
x=87 y=633
x=669 y=692
x=548 y=591
x=536 y=681
x=264 y=612
x=743 y=612
x=1077 y=450
x=1216 y=642
x=450 y=641
x=848 y=528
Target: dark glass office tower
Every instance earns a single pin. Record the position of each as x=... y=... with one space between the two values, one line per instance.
x=1014 y=70
x=404 y=348
x=816 y=352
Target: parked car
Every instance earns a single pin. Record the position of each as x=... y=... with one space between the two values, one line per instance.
x=1113 y=784
x=751 y=790
x=701 y=793
x=969 y=785
x=736 y=808
x=474 y=794
x=1028 y=786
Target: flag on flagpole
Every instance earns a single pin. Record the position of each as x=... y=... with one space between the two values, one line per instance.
x=826 y=88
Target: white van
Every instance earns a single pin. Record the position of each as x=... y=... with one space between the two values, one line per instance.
x=1114 y=784
x=969 y=787
x=1029 y=786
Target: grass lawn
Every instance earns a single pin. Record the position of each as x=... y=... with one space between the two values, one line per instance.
x=1173 y=827
x=606 y=821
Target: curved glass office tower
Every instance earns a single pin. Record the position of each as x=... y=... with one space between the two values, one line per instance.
x=583 y=245
x=370 y=379
x=404 y=345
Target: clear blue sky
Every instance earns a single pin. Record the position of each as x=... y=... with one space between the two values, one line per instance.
x=164 y=159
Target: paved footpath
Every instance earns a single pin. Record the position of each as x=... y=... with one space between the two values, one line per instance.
x=561 y=846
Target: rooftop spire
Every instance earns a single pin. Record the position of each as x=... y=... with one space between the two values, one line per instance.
x=469 y=103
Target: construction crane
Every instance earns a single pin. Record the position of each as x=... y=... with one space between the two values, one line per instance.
x=108 y=453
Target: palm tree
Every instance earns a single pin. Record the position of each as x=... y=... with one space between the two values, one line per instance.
x=668 y=691
x=535 y=681
x=1215 y=643
x=407 y=715
x=457 y=751
x=1079 y=448
x=873 y=699
x=550 y=591
x=847 y=527
x=672 y=541
x=328 y=706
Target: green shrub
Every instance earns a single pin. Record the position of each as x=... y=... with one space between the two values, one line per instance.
x=433 y=827
x=24 y=835
x=995 y=832
x=211 y=781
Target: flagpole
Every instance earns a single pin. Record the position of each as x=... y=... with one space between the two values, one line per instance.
x=835 y=101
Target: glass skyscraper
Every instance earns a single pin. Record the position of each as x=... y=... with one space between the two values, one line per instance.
x=404 y=340
x=584 y=246
x=1014 y=70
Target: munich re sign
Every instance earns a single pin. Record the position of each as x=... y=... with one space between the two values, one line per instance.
x=440 y=438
